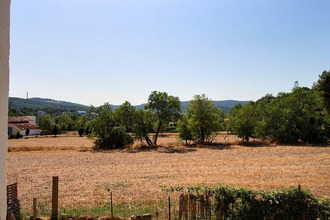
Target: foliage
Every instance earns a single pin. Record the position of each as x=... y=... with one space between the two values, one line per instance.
x=323 y=88
x=82 y=124
x=44 y=122
x=32 y=105
x=293 y=117
x=66 y=121
x=56 y=129
x=102 y=125
x=142 y=125
x=103 y=128
x=241 y=203
x=185 y=132
x=81 y=131
x=242 y=121
x=119 y=138
x=204 y=118
x=27 y=132
x=124 y=115
x=17 y=135
x=165 y=108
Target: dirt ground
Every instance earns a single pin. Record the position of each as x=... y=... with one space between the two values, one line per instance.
x=86 y=176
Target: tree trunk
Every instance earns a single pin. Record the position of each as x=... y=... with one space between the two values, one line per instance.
x=157 y=132
x=202 y=135
x=149 y=142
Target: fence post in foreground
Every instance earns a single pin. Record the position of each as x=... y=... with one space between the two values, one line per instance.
x=55 y=198
x=34 y=208
x=169 y=208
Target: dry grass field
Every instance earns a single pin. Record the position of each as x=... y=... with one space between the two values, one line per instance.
x=86 y=176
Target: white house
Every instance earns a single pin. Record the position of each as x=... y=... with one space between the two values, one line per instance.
x=21 y=124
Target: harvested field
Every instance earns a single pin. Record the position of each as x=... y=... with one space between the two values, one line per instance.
x=86 y=176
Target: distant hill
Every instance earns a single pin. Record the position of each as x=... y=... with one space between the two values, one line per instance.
x=43 y=103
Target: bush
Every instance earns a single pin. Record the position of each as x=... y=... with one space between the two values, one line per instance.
x=81 y=131
x=117 y=138
x=11 y=136
x=241 y=203
x=18 y=135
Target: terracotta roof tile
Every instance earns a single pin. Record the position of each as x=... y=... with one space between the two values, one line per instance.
x=23 y=126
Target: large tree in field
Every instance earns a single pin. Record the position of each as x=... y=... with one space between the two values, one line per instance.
x=323 y=88
x=102 y=125
x=124 y=115
x=204 y=117
x=164 y=106
x=243 y=121
x=142 y=125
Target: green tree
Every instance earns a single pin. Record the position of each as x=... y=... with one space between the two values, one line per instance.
x=104 y=129
x=323 y=88
x=56 y=129
x=81 y=132
x=102 y=125
x=243 y=120
x=165 y=107
x=185 y=132
x=124 y=115
x=65 y=122
x=294 y=117
x=27 y=132
x=142 y=125
x=204 y=118
x=45 y=122
x=81 y=124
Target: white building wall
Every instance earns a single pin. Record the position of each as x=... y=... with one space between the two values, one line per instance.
x=33 y=119
x=32 y=132
x=4 y=88
x=35 y=132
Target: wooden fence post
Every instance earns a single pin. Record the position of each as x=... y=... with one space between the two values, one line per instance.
x=34 y=208
x=181 y=206
x=55 y=198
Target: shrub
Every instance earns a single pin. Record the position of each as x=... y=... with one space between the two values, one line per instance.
x=18 y=135
x=241 y=203
x=117 y=138
x=81 y=131
x=27 y=132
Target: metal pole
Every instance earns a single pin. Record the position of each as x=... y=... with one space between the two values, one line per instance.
x=111 y=206
x=169 y=208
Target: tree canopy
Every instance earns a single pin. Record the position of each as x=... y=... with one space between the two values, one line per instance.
x=165 y=107
x=204 y=118
x=323 y=87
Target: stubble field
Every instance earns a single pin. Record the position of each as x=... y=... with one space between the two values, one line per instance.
x=87 y=176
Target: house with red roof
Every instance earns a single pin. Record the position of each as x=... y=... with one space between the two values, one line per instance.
x=21 y=124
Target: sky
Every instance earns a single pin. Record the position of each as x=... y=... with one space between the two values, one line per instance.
x=96 y=51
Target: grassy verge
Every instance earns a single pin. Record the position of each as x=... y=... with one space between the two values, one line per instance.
x=122 y=210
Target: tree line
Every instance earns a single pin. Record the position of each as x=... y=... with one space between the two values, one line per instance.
x=301 y=115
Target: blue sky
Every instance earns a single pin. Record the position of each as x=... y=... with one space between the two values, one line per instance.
x=96 y=51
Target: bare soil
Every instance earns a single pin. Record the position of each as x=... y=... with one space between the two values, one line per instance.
x=87 y=176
